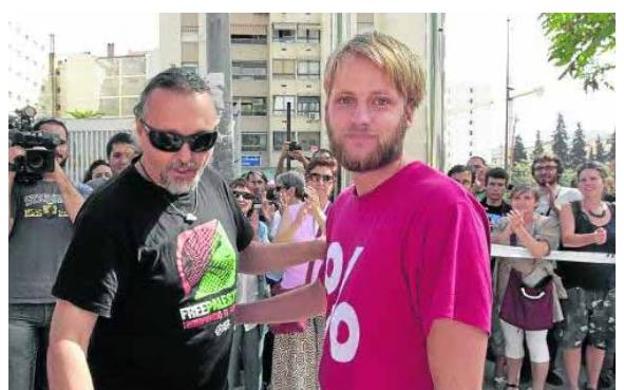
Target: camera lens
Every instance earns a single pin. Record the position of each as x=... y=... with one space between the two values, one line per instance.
x=35 y=161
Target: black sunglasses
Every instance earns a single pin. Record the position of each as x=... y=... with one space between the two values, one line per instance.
x=168 y=141
x=318 y=177
x=245 y=195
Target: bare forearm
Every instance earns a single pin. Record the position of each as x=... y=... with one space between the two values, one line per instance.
x=67 y=367
x=449 y=343
x=304 y=302
x=578 y=240
x=11 y=211
x=71 y=197
x=262 y=258
x=537 y=248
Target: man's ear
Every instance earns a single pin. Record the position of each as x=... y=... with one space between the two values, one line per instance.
x=408 y=112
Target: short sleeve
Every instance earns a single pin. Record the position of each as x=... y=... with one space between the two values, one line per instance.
x=95 y=266
x=451 y=275
x=547 y=229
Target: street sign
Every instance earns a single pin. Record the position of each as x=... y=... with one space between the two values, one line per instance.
x=250 y=161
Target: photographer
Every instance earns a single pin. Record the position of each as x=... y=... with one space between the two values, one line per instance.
x=41 y=216
x=292 y=150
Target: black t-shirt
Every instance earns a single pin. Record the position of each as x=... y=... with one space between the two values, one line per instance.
x=495 y=213
x=589 y=275
x=163 y=289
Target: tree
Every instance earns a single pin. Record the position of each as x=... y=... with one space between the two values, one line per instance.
x=611 y=142
x=84 y=114
x=578 y=154
x=580 y=42
x=591 y=156
x=538 y=148
x=560 y=141
x=601 y=153
x=521 y=174
x=519 y=153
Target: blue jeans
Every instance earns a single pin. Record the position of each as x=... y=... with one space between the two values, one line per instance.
x=29 y=325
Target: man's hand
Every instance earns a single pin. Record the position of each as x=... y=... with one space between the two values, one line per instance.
x=15 y=151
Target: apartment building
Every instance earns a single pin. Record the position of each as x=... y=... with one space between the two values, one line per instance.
x=279 y=58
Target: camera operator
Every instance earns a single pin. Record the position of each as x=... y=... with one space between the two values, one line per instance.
x=41 y=217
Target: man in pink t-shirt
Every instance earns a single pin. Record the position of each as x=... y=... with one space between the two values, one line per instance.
x=406 y=284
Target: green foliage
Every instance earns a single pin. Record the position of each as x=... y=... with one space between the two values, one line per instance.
x=521 y=173
x=538 y=148
x=560 y=141
x=519 y=153
x=611 y=142
x=578 y=154
x=567 y=177
x=578 y=43
x=601 y=154
x=84 y=114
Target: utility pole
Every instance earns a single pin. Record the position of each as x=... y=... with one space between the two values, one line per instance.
x=507 y=103
x=219 y=62
x=53 y=80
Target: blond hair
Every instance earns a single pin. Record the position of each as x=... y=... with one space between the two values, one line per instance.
x=397 y=60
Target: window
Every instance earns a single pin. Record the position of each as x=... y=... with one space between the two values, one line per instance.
x=309 y=106
x=284 y=68
x=309 y=140
x=247 y=38
x=190 y=51
x=109 y=106
x=279 y=104
x=309 y=33
x=252 y=105
x=110 y=87
x=284 y=32
x=249 y=70
x=133 y=66
x=127 y=105
x=279 y=137
x=110 y=65
x=132 y=85
x=253 y=142
x=309 y=69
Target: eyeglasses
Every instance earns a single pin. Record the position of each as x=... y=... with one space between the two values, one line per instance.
x=245 y=195
x=168 y=141
x=318 y=177
x=545 y=167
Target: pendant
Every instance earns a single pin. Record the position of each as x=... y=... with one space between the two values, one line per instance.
x=190 y=218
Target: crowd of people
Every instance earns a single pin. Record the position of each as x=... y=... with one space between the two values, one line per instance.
x=543 y=217
x=156 y=273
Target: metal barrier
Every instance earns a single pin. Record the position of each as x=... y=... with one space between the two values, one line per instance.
x=85 y=147
x=517 y=252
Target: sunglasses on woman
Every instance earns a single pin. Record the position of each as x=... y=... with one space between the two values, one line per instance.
x=245 y=195
x=168 y=141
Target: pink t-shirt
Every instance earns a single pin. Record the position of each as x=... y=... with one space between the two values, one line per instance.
x=295 y=276
x=413 y=250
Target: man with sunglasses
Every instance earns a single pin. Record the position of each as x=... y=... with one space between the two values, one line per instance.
x=148 y=283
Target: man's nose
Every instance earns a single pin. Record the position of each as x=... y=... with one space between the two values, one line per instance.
x=184 y=154
x=362 y=114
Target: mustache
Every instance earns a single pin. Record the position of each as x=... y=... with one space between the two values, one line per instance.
x=182 y=165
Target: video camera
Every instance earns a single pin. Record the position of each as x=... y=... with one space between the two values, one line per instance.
x=39 y=146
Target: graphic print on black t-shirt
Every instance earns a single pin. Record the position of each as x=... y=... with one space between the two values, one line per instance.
x=206 y=263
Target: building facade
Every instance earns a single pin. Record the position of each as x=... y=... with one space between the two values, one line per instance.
x=279 y=58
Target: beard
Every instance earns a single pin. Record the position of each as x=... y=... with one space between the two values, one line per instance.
x=178 y=187
x=387 y=150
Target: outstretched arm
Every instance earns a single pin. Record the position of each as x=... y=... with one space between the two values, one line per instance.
x=260 y=258
x=304 y=302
